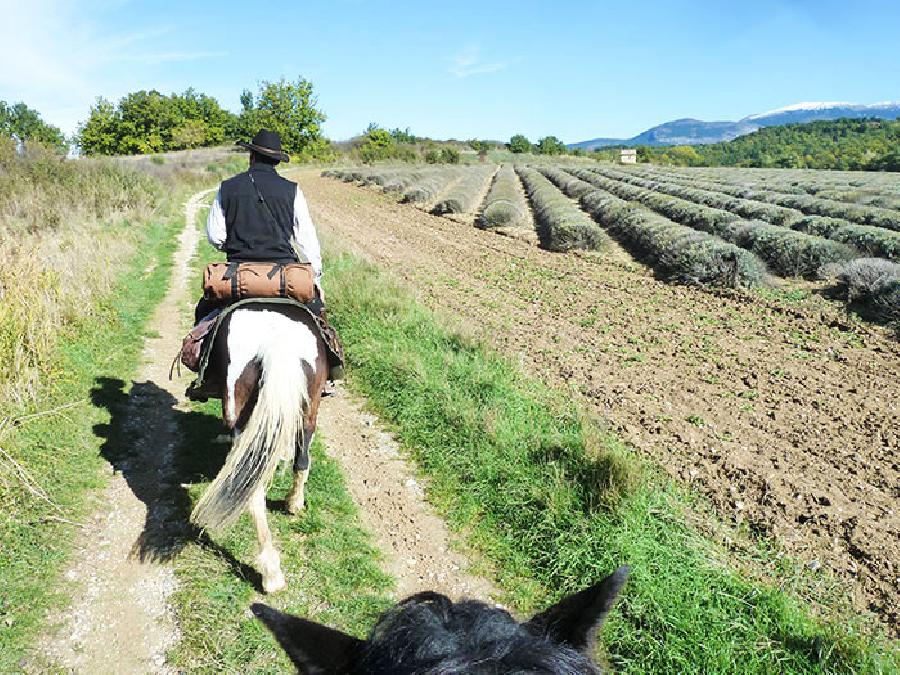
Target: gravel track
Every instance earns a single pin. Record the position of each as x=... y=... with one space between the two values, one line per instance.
x=120 y=620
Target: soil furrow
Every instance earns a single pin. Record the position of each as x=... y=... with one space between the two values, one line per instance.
x=784 y=416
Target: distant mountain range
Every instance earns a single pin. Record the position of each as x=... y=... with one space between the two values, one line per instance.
x=689 y=131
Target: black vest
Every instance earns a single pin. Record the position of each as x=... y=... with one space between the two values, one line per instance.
x=251 y=233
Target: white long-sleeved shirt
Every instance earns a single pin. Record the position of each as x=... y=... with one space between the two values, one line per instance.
x=304 y=231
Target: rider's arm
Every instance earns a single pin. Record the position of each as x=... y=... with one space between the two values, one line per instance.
x=305 y=235
x=215 y=223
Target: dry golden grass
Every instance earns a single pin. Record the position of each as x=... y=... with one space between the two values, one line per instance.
x=62 y=243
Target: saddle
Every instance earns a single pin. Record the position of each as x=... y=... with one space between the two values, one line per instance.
x=197 y=344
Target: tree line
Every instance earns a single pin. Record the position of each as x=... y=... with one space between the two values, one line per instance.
x=145 y=122
x=149 y=122
x=844 y=144
x=21 y=123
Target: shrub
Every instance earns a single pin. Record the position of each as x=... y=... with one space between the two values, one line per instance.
x=519 y=144
x=402 y=180
x=560 y=224
x=450 y=156
x=429 y=186
x=787 y=252
x=873 y=283
x=505 y=204
x=710 y=197
x=463 y=196
x=780 y=195
x=680 y=253
x=869 y=240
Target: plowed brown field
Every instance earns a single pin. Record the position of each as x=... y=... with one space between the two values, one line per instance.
x=783 y=414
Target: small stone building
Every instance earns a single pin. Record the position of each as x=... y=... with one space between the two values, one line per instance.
x=628 y=156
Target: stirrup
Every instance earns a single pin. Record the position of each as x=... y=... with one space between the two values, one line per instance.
x=195 y=392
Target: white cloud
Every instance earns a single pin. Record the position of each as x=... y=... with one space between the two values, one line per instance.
x=469 y=62
x=56 y=59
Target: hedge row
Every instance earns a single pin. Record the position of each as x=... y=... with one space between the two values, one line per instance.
x=680 y=253
x=785 y=251
x=560 y=224
x=872 y=241
x=390 y=180
x=806 y=203
x=505 y=204
x=464 y=195
x=867 y=189
x=710 y=196
x=429 y=186
x=867 y=239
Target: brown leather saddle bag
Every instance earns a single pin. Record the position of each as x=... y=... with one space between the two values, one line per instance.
x=225 y=283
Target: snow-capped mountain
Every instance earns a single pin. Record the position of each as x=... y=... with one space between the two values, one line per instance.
x=808 y=112
x=694 y=132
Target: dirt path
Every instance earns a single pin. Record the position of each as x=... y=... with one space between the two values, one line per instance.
x=784 y=416
x=120 y=621
x=392 y=505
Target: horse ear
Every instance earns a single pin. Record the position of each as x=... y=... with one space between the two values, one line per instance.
x=577 y=619
x=315 y=649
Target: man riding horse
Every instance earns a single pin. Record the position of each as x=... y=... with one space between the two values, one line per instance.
x=258 y=216
x=261 y=344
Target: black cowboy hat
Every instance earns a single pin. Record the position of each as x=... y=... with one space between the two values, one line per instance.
x=266 y=143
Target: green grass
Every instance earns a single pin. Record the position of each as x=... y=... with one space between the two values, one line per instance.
x=62 y=449
x=331 y=566
x=556 y=503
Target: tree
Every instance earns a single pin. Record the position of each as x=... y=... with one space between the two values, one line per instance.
x=403 y=136
x=23 y=124
x=450 y=155
x=148 y=121
x=551 y=145
x=98 y=135
x=519 y=144
x=379 y=144
x=290 y=109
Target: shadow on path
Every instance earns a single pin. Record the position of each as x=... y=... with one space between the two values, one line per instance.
x=145 y=441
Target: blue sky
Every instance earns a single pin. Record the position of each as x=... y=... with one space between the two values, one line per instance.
x=462 y=69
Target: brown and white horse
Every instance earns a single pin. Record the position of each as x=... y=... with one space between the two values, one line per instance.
x=269 y=363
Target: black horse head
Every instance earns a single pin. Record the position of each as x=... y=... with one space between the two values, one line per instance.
x=429 y=634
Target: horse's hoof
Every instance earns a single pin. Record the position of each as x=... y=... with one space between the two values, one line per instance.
x=294 y=508
x=274 y=583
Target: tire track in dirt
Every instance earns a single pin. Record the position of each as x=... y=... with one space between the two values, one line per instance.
x=391 y=499
x=120 y=620
x=784 y=416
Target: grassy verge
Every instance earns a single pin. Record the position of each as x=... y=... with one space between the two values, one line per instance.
x=554 y=503
x=57 y=440
x=330 y=564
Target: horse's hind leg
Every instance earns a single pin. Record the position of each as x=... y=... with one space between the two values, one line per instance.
x=302 y=460
x=268 y=561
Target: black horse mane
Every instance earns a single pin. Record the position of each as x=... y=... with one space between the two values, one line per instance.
x=429 y=634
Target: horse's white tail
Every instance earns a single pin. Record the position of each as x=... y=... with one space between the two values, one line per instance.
x=271 y=432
